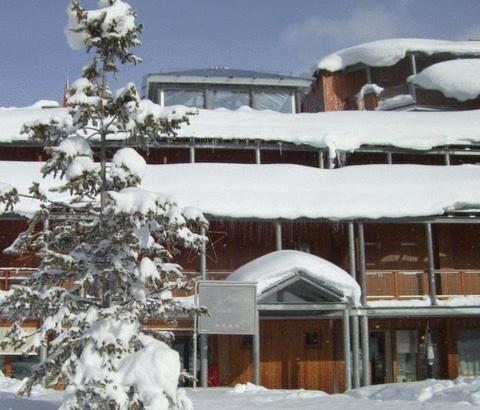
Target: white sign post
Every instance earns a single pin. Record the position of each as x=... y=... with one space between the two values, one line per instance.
x=232 y=310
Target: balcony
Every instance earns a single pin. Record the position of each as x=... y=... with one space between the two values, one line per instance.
x=414 y=284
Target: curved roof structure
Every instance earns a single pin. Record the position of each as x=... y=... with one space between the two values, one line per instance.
x=459 y=79
x=270 y=270
x=384 y=53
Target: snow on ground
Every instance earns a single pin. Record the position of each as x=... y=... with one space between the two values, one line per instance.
x=341 y=130
x=463 y=393
x=385 y=53
x=275 y=267
x=459 y=79
x=292 y=191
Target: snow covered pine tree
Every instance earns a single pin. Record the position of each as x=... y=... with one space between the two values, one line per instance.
x=106 y=249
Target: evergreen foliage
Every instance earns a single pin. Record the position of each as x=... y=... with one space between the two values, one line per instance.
x=106 y=255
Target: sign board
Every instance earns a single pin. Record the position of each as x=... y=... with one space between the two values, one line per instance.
x=232 y=308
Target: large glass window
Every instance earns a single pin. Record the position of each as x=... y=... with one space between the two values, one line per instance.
x=273 y=100
x=188 y=97
x=406 y=342
x=468 y=352
x=231 y=99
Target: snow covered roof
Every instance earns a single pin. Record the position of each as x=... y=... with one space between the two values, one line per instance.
x=384 y=53
x=225 y=75
x=459 y=79
x=276 y=267
x=341 y=130
x=294 y=191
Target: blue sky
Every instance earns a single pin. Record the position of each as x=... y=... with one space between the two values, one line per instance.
x=287 y=36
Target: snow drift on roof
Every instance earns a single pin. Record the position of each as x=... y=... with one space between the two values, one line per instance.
x=341 y=130
x=273 y=268
x=294 y=191
x=384 y=53
x=459 y=79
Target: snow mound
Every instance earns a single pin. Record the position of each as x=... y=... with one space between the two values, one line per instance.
x=385 y=53
x=275 y=267
x=459 y=79
x=247 y=387
x=154 y=371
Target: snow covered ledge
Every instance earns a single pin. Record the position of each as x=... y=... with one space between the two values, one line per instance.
x=300 y=276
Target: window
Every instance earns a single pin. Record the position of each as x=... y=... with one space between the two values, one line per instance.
x=188 y=97
x=406 y=342
x=231 y=99
x=312 y=339
x=247 y=341
x=273 y=100
x=468 y=352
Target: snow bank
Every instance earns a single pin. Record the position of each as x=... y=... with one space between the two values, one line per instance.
x=459 y=79
x=460 y=394
x=273 y=268
x=290 y=191
x=384 y=53
x=341 y=130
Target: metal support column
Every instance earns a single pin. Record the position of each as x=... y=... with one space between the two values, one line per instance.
x=447 y=158
x=413 y=66
x=355 y=352
x=368 y=73
x=431 y=266
x=354 y=319
x=203 y=338
x=278 y=236
x=43 y=356
x=192 y=154
x=256 y=351
x=364 y=319
x=346 y=349
x=321 y=159
x=361 y=256
x=389 y=158
x=258 y=155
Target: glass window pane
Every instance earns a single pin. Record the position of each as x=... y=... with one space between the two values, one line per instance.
x=468 y=353
x=231 y=99
x=22 y=366
x=273 y=100
x=190 y=98
x=406 y=342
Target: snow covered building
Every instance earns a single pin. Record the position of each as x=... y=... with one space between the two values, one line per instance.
x=221 y=87
x=386 y=201
x=387 y=75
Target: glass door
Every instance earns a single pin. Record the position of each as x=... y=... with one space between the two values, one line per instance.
x=406 y=355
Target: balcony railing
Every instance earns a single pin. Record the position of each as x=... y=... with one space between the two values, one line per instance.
x=381 y=284
x=414 y=284
x=13 y=276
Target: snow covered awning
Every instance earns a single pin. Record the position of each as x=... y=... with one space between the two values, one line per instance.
x=300 y=276
x=284 y=191
x=385 y=53
x=459 y=79
x=341 y=130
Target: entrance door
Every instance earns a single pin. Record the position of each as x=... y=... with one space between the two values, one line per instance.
x=381 y=357
x=406 y=355
x=298 y=354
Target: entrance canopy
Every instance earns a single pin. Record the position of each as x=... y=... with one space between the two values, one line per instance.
x=290 y=276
